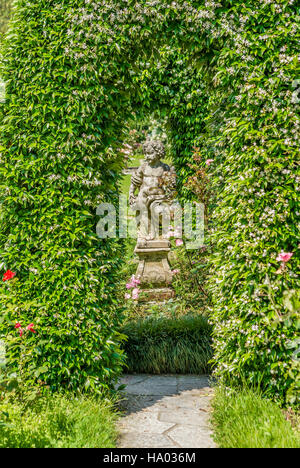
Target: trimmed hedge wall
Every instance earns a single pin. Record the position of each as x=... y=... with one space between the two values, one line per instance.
x=256 y=177
x=55 y=170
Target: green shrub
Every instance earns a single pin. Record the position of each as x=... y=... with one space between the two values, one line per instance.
x=54 y=173
x=165 y=345
x=257 y=188
x=57 y=422
x=243 y=419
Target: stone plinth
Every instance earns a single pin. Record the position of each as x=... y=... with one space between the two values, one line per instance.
x=154 y=270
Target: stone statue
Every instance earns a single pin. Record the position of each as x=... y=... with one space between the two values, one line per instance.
x=151 y=201
x=152 y=204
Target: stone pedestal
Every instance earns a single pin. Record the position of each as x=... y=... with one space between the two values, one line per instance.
x=154 y=270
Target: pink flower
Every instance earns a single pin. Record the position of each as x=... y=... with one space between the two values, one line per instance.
x=284 y=257
x=178 y=233
x=30 y=328
x=170 y=234
x=135 y=281
x=8 y=275
x=209 y=161
x=175 y=272
x=135 y=293
x=179 y=242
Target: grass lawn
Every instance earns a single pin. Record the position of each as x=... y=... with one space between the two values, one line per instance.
x=243 y=419
x=125 y=184
x=126 y=181
x=58 y=421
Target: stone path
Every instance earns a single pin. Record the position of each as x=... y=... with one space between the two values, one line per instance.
x=166 y=411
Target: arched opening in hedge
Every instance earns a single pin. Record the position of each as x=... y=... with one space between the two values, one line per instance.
x=74 y=71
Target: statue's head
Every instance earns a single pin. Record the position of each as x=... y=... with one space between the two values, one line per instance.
x=154 y=150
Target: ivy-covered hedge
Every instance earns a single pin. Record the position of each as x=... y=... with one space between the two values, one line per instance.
x=256 y=176
x=54 y=172
x=223 y=72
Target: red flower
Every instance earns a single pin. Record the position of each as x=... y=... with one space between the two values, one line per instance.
x=8 y=275
x=30 y=328
x=18 y=326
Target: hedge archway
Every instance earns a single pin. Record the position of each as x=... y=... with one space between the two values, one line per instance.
x=74 y=71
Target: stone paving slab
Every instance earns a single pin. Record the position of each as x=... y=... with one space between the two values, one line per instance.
x=145 y=423
x=194 y=402
x=166 y=411
x=185 y=416
x=193 y=437
x=193 y=383
x=130 y=380
x=138 y=440
x=151 y=385
x=157 y=403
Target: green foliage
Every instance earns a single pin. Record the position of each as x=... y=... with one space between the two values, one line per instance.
x=243 y=419
x=257 y=189
x=5 y=11
x=57 y=422
x=55 y=170
x=166 y=345
x=189 y=282
x=224 y=76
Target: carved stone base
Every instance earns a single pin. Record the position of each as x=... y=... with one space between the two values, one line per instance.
x=156 y=295
x=154 y=270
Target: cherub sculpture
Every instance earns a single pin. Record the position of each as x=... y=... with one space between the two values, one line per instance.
x=151 y=200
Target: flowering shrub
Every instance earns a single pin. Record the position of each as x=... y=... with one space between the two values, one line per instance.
x=41 y=351
x=54 y=173
x=224 y=74
x=256 y=215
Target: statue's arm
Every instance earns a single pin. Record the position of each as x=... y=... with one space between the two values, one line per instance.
x=136 y=182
